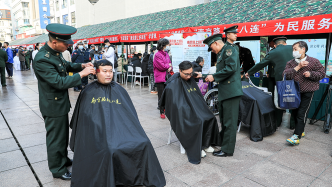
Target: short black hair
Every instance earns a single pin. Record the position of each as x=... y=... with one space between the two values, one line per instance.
x=0 y=44
x=102 y=62
x=139 y=54
x=6 y=43
x=162 y=43
x=36 y=46
x=278 y=42
x=302 y=44
x=153 y=49
x=199 y=59
x=185 y=65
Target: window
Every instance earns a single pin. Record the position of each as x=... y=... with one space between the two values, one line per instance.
x=26 y=21
x=25 y=4
x=72 y=2
x=73 y=20
x=64 y=3
x=57 y=5
x=58 y=19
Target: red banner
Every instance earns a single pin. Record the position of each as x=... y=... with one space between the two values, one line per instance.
x=292 y=26
x=101 y=39
x=149 y=36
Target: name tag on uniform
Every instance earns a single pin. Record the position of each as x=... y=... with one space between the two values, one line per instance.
x=70 y=73
x=257 y=75
x=325 y=80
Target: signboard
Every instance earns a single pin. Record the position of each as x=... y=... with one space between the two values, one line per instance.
x=193 y=47
x=44 y=11
x=291 y=26
x=5 y=14
x=316 y=48
x=187 y=47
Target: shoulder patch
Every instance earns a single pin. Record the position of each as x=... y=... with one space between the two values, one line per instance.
x=47 y=55
x=229 y=52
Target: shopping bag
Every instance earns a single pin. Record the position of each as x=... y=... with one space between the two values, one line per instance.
x=203 y=86
x=287 y=94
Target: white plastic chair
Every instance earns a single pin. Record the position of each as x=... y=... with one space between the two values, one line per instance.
x=119 y=73
x=130 y=73
x=182 y=150
x=139 y=75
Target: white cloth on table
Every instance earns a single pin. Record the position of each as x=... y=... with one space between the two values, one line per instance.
x=17 y=63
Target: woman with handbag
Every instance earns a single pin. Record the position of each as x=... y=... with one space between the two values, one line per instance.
x=162 y=67
x=307 y=71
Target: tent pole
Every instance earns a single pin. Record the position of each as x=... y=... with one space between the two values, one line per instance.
x=327 y=52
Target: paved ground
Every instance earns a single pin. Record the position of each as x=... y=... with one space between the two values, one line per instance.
x=271 y=162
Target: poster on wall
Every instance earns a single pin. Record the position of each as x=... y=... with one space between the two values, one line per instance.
x=44 y=13
x=316 y=48
x=188 y=46
x=176 y=53
x=193 y=47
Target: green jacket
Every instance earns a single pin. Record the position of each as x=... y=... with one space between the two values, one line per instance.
x=27 y=55
x=228 y=73
x=51 y=71
x=3 y=58
x=277 y=58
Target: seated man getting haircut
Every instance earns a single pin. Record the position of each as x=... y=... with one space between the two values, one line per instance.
x=193 y=123
x=110 y=145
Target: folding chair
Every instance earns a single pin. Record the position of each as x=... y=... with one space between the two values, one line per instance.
x=182 y=150
x=139 y=75
x=130 y=70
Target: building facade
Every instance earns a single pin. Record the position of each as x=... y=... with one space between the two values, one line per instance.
x=106 y=10
x=6 y=33
x=63 y=11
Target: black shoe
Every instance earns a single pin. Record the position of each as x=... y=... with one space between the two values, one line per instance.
x=69 y=162
x=221 y=154
x=66 y=176
x=4 y=85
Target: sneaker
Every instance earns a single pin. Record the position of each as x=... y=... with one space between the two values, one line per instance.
x=154 y=92
x=209 y=150
x=303 y=135
x=203 y=154
x=137 y=83
x=162 y=116
x=294 y=140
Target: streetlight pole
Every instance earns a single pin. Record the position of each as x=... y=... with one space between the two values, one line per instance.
x=93 y=2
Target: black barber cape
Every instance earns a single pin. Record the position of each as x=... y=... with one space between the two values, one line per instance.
x=191 y=120
x=256 y=110
x=110 y=146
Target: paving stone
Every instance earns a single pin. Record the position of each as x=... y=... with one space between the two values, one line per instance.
x=32 y=139
x=36 y=153
x=28 y=129
x=241 y=181
x=238 y=163
x=300 y=161
x=5 y=133
x=25 y=121
x=272 y=174
x=327 y=175
x=262 y=148
x=314 y=148
x=174 y=181
x=320 y=183
x=11 y=160
x=319 y=136
x=14 y=115
x=19 y=177
x=170 y=157
x=3 y=125
x=7 y=145
x=207 y=174
x=57 y=183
